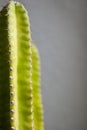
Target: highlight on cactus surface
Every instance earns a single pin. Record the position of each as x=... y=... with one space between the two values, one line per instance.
x=20 y=96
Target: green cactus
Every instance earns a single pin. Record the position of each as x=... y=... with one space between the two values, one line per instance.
x=20 y=100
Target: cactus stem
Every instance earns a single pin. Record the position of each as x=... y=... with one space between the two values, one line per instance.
x=19 y=72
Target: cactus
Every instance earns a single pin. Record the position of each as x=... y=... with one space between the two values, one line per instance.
x=20 y=96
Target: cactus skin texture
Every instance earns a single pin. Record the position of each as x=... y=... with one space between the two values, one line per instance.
x=20 y=96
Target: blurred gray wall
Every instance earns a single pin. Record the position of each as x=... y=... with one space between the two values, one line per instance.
x=59 y=29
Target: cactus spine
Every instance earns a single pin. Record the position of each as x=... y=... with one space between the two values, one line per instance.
x=20 y=99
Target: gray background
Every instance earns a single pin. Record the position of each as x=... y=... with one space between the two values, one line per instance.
x=59 y=29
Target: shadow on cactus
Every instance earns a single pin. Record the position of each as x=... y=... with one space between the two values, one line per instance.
x=20 y=99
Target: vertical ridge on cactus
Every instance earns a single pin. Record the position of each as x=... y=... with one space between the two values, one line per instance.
x=20 y=99
x=38 y=113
